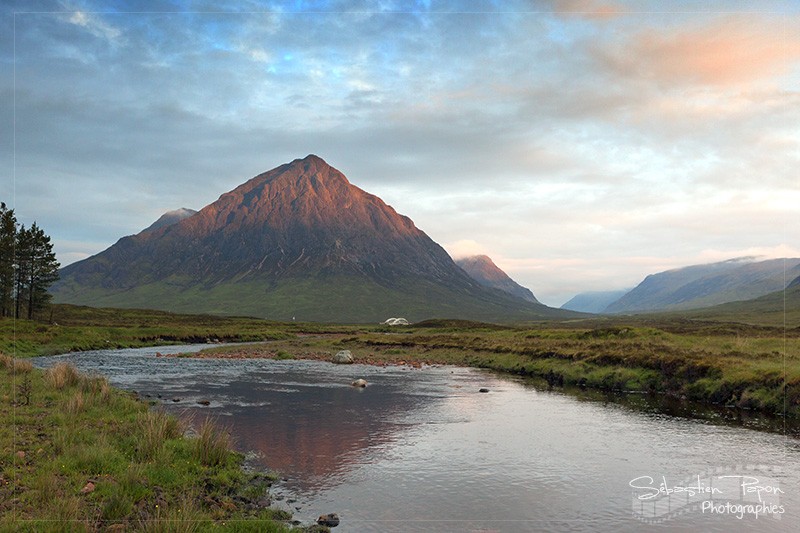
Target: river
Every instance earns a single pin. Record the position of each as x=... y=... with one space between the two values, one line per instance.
x=425 y=450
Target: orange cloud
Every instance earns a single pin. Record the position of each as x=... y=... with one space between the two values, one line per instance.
x=734 y=50
x=591 y=9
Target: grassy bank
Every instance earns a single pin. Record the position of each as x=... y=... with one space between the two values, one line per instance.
x=749 y=367
x=78 y=455
x=75 y=328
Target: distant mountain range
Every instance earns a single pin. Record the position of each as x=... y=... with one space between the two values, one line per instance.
x=483 y=270
x=594 y=301
x=296 y=242
x=699 y=286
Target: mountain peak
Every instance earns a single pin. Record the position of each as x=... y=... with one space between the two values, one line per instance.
x=482 y=269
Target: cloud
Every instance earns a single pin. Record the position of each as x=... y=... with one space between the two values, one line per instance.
x=577 y=154
x=94 y=25
x=589 y=9
x=731 y=50
x=465 y=248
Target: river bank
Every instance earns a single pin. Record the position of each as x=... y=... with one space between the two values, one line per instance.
x=81 y=454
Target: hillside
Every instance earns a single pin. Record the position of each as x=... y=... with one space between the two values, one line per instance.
x=701 y=286
x=779 y=308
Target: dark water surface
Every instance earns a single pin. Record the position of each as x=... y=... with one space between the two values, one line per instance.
x=424 y=450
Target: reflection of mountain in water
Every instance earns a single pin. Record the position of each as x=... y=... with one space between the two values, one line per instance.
x=313 y=433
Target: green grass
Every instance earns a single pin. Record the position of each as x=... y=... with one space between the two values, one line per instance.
x=76 y=328
x=146 y=476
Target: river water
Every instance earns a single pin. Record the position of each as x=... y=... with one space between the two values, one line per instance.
x=425 y=450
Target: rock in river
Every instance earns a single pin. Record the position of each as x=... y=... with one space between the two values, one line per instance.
x=359 y=383
x=330 y=520
x=343 y=358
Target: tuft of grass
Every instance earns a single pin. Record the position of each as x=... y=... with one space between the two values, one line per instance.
x=62 y=375
x=97 y=386
x=20 y=366
x=213 y=444
x=156 y=427
x=75 y=403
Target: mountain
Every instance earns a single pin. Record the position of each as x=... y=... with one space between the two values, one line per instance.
x=171 y=217
x=780 y=308
x=699 y=286
x=483 y=270
x=594 y=301
x=298 y=241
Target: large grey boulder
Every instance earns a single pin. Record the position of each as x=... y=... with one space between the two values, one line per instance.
x=343 y=358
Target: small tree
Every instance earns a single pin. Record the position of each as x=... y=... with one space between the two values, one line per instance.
x=24 y=389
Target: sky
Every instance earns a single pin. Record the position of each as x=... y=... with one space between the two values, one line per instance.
x=581 y=144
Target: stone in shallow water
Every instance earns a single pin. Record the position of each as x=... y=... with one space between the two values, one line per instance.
x=359 y=383
x=330 y=520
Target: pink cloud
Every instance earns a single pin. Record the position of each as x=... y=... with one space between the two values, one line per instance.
x=730 y=51
x=591 y=9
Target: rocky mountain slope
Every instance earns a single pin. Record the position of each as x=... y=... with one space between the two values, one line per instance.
x=296 y=242
x=483 y=270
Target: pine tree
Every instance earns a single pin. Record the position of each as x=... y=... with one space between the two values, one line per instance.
x=8 y=231
x=37 y=269
x=43 y=270
x=22 y=249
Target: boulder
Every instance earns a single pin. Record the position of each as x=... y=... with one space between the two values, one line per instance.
x=329 y=520
x=343 y=358
x=359 y=383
